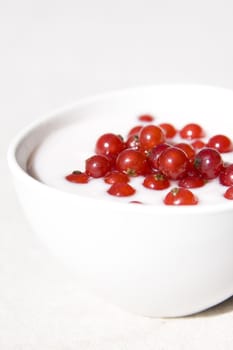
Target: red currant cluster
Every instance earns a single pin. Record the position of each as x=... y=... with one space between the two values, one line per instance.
x=150 y=151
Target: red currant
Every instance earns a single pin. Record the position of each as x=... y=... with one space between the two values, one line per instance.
x=168 y=129
x=221 y=143
x=135 y=130
x=187 y=148
x=191 y=182
x=208 y=162
x=146 y=118
x=173 y=163
x=97 y=166
x=198 y=144
x=192 y=131
x=109 y=145
x=116 y=176
x=151 y=136
x=226 y=175
x=121 y=189
x=229 y=193
x=156 y=182
x=78 y=177
x=180 y=196
x=132 y=162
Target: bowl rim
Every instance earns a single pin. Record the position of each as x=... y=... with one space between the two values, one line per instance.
x=18 y=173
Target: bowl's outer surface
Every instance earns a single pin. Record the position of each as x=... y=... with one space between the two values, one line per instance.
x=154 y=261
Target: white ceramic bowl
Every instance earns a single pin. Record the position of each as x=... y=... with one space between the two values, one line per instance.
x=153 y=260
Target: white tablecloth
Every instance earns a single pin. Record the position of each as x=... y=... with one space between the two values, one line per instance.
x=51 y=54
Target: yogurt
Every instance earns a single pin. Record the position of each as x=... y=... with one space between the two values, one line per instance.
x=66 y=149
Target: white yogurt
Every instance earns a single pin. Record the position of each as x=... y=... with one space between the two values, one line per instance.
x=66 y=149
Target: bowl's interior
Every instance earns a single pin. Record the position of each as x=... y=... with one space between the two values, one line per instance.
x=61 y=143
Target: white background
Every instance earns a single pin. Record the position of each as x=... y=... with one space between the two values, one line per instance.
x=51 y=54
